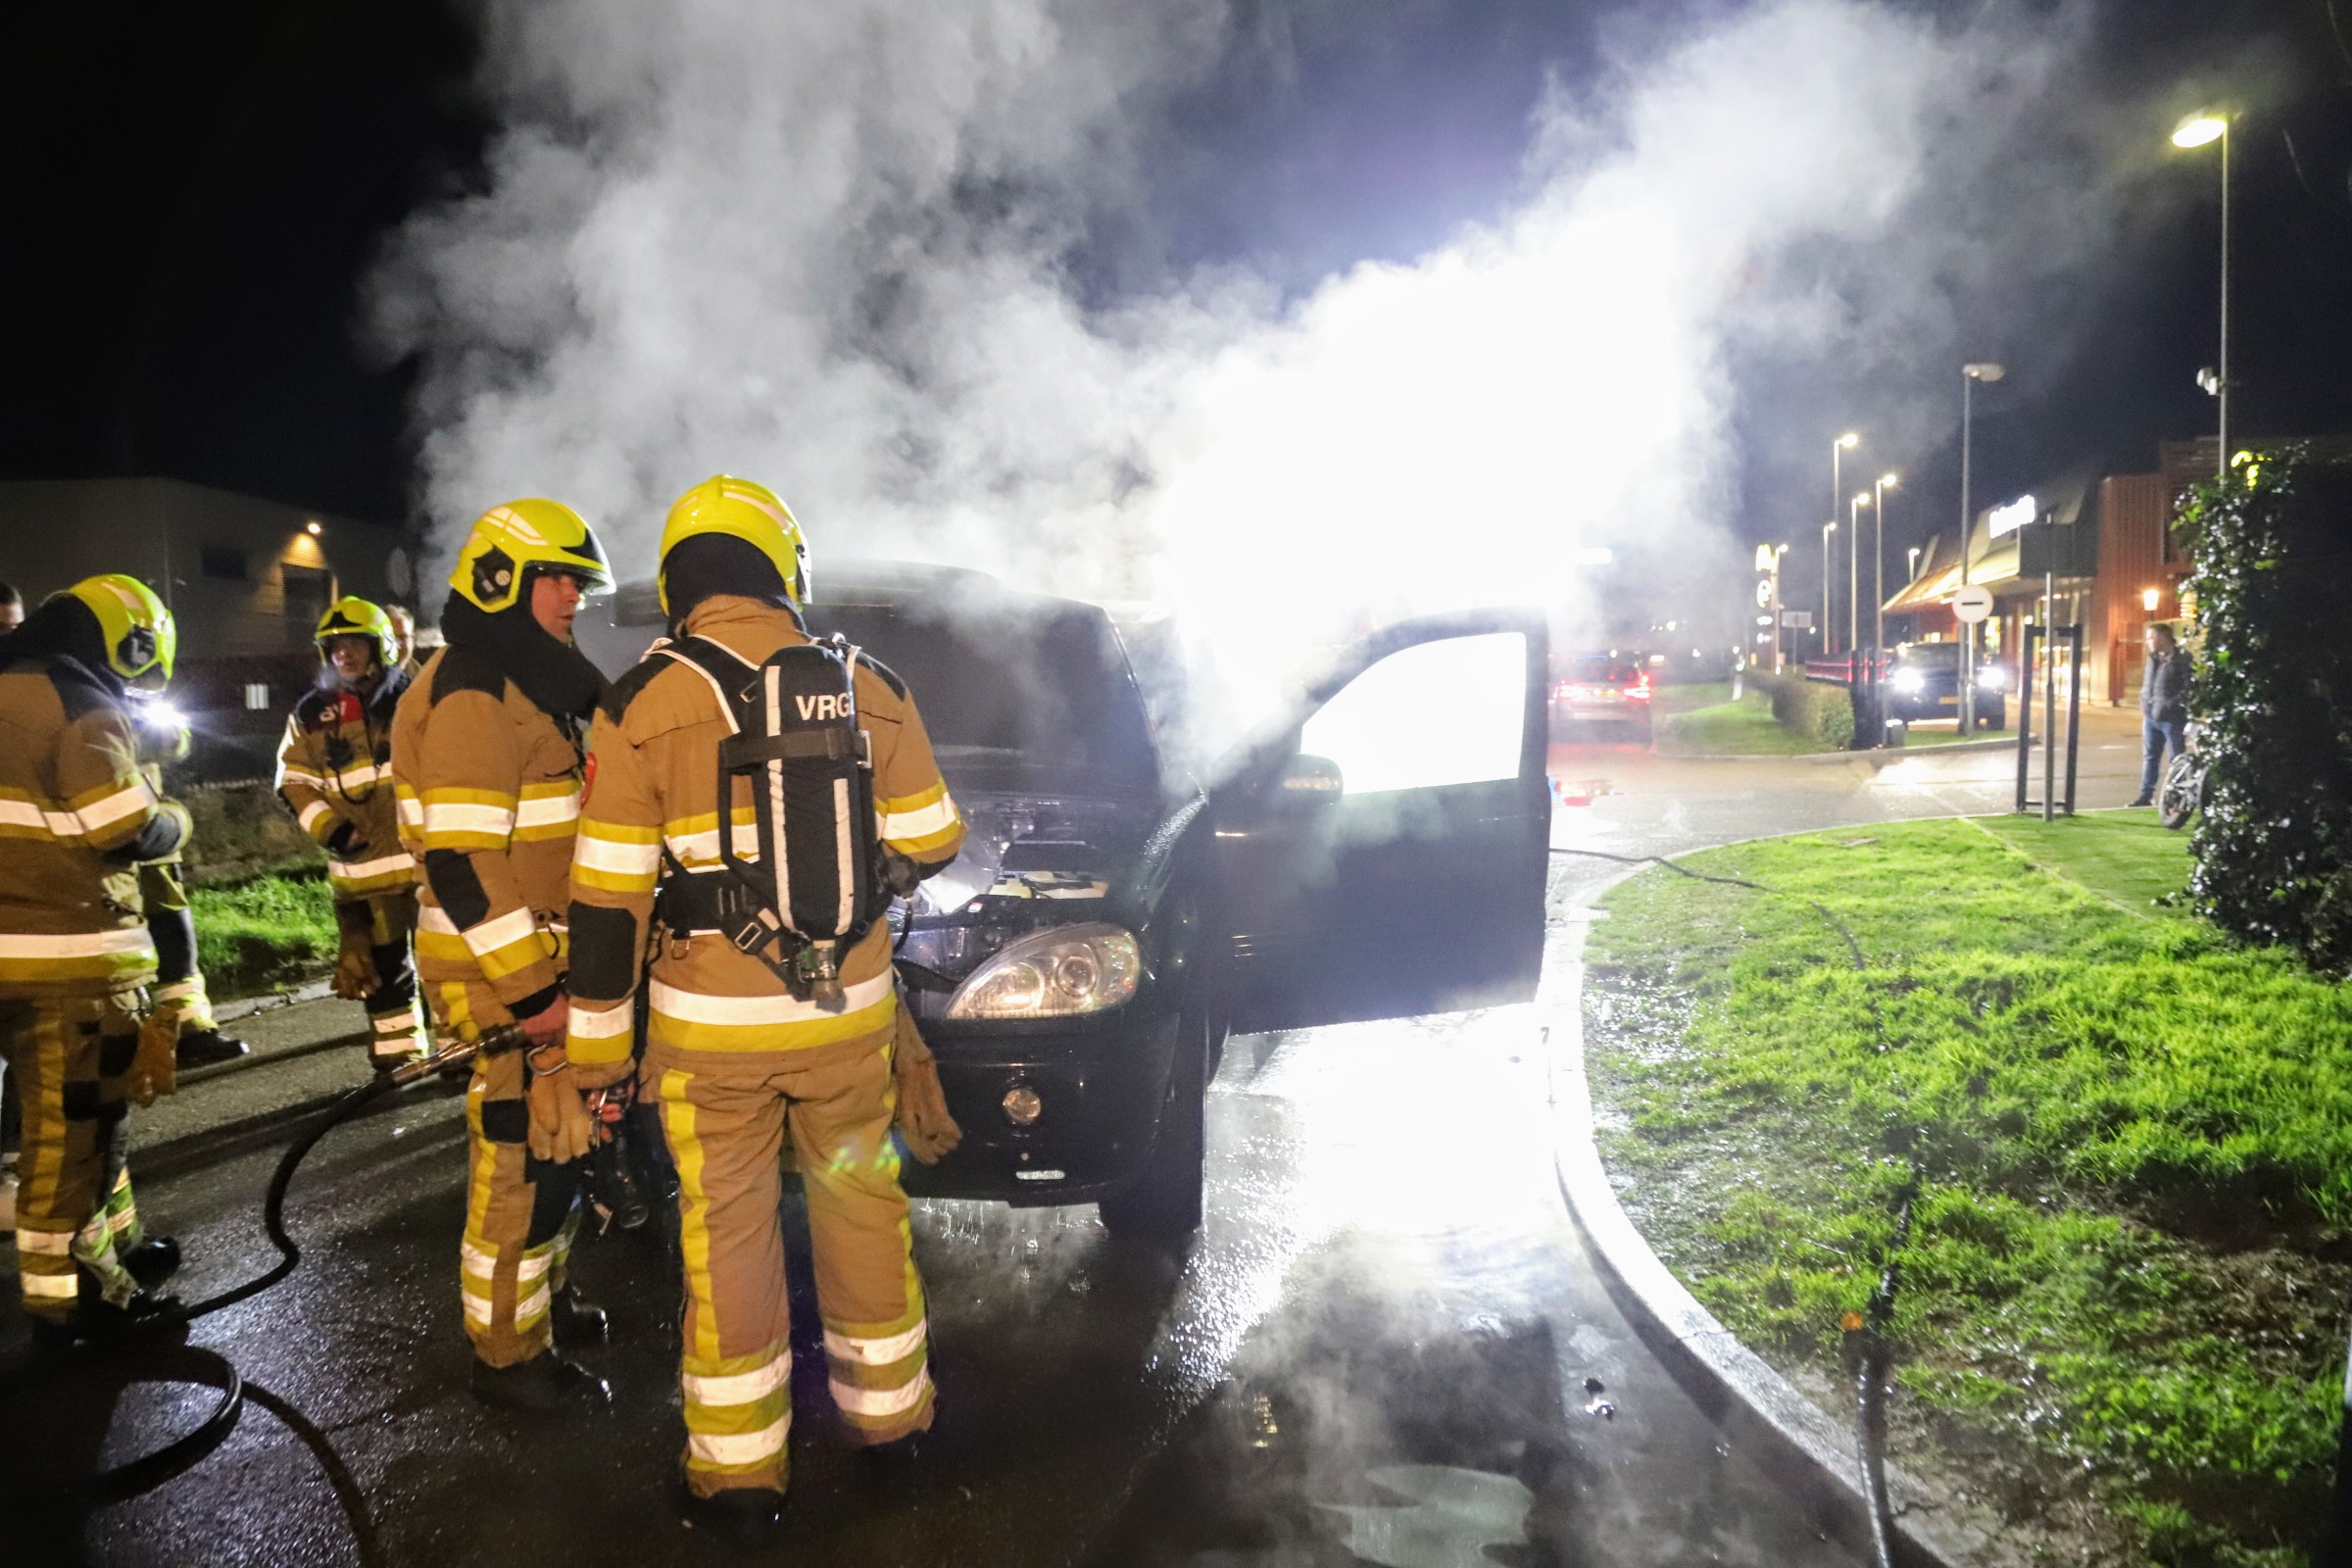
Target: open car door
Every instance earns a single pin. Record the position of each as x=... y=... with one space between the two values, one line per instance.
x=1382 y=850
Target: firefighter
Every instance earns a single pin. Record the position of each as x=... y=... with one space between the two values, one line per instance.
x=334 y=773
x=734 y=1062
x=182 y=1014
x=486 y=761
x=77 y=815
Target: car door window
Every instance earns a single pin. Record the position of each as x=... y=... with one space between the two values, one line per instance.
x=1434 y=714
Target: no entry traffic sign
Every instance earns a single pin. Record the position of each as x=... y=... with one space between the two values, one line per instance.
x=1972 y=604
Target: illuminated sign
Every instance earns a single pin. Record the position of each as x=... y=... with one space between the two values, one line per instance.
x=2013 y=516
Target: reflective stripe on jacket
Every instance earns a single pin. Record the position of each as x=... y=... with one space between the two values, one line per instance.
x=487 y=787
x=77 y=812
x=334 y=770
x=652 y=787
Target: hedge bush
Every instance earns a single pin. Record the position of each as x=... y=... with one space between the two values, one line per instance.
x=244 y=831
x=2271 y=695
x=1820 y=713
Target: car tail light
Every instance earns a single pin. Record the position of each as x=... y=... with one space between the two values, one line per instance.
x=1638 y=691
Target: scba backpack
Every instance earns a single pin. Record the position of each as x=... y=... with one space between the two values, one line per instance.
x=816 y=886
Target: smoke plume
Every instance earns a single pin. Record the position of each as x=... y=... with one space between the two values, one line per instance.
x=854 y=250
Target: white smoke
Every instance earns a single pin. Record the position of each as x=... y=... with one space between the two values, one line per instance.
x=828 y=247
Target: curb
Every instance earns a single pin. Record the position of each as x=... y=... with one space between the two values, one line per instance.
x=1875 y=757
x=315 y=991
x=1803 y=1446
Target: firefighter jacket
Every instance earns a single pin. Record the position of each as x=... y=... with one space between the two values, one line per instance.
x=334 y=771
x=77 y=814
x=488 y=789
x=653 y=772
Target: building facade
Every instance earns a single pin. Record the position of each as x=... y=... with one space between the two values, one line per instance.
x=2120 y=567
x=246 y=581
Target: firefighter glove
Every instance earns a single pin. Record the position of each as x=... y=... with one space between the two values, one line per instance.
x=591 y=1075
x=153 y=1066
x=922 y=1117
x=561 y=1130
x=354 y=966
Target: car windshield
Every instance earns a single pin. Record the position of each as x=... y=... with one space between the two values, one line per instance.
x=1929 y=656
x=1014 y=701
x=1599 y=669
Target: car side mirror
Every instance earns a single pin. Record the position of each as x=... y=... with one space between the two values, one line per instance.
x=1309 y=783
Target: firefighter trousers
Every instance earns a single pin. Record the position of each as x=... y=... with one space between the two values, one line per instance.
x=520 y=1214
x=178 y=982
x=726 y=1116
x=387 y=923
x=74 y=1210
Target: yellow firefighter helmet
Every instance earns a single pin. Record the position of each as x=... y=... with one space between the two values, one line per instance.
x=741 y=508
x=141 y=639
x=510 y=541
x=358 y=617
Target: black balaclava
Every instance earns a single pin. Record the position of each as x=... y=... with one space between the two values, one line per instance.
x=63 y=628
x=555 y=675
x=713 y=564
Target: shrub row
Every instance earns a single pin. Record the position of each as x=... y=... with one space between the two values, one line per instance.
x=1822 y=714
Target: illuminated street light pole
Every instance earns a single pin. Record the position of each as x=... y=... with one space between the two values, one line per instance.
x=1768 y=559
x=1853 y=573
x=2199 y=130
x=1837 y=451
x=1827 y=529
x=1969 y=374
x=1878 y=540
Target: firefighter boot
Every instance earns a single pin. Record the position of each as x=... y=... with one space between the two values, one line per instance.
x=544 y=1385
x=152 y=1261
x=206 y=1048
x=573 y=1318
x=741 y=1516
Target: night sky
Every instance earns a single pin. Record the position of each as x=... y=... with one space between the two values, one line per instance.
x=196 y=191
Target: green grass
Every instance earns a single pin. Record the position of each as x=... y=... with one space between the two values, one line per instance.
x=2129 y=1261
x=262 y=935
x=1743 y=729
x=1681 y=699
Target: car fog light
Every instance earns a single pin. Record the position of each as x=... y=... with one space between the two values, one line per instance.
x=1022 y=1107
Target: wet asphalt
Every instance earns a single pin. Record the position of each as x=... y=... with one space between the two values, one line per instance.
x=1388 y=1346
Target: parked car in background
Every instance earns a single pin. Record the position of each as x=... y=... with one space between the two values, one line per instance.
x=1376 y=850
x=1923 y=682
x=1611 y=689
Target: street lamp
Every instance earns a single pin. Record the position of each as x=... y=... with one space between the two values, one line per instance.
x=1837 y=451
x=1969 y=374
x=1913 y=566
x=1853 y=586
x=2198 y=130
x=1768 y=560
x=1877 y=539
x=1827 y=529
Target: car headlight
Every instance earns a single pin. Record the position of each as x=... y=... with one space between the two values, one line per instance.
x=1054 y=973
x=1908 y=681
x=1991 y=680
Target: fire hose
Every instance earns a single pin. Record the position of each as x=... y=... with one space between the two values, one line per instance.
x=149 y=1470
x=1866 y=1333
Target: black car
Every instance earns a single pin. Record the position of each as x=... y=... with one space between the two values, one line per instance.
x=1377 y=852
x=1923 y=681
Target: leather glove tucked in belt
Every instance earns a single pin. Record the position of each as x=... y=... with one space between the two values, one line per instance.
x=561 y=1129
x=154 y=1066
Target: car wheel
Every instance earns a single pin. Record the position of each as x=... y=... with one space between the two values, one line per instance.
x=1161 y=1203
